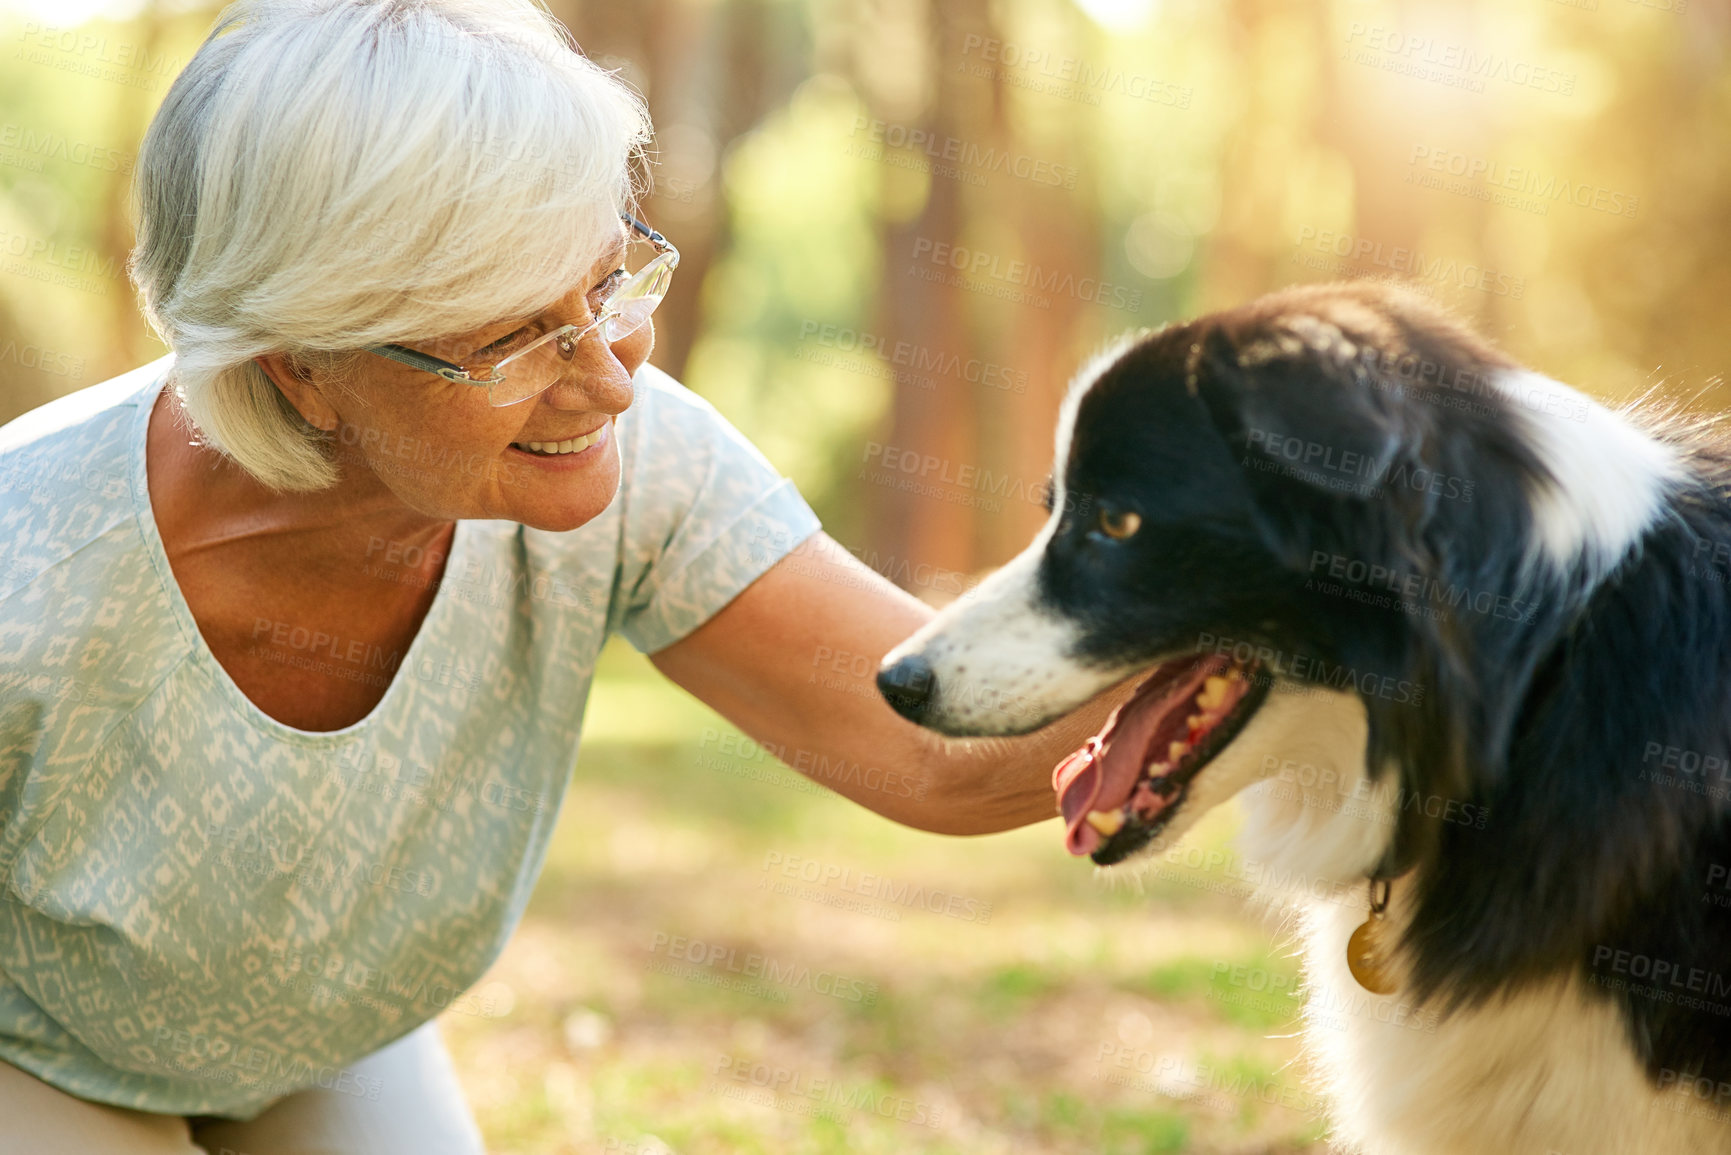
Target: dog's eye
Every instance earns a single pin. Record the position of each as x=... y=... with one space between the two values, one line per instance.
x=1118 y=524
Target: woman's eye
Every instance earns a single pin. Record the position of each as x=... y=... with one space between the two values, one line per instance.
x=1119 y=524
x=511 y=344
x=605 y=289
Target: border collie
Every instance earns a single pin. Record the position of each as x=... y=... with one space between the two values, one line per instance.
x=1461 y=637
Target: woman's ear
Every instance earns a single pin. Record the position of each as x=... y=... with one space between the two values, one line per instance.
x=295 y=381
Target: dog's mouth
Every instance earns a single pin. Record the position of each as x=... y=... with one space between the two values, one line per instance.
x=1124 y=786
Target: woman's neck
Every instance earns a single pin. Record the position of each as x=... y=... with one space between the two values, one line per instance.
x=203 y=502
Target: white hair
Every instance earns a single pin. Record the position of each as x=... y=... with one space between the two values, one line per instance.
x=331 y=174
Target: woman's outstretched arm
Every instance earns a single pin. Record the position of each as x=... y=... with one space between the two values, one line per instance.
x=792 y=661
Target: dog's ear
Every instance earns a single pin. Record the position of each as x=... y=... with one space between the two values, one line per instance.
x=1315 y=439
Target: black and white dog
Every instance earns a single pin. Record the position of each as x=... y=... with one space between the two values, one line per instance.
x=1462 y=638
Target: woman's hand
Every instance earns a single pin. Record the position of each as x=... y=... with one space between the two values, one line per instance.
x=793 y=662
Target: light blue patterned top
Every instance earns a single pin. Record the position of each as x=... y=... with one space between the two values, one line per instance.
x=203 y=909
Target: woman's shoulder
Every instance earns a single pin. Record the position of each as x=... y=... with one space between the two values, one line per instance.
x=79 y=595
x=67 y=474
x=674 y=437
x=661 y=402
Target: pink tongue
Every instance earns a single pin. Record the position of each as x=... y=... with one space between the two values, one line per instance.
x=1102 y=775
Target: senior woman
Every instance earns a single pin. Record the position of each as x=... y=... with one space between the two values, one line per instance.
x=300 y=620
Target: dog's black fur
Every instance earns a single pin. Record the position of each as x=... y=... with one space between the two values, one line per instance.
x=1542 y=711
x=1546 y=692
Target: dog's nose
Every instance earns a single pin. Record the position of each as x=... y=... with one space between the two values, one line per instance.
x=908 y=685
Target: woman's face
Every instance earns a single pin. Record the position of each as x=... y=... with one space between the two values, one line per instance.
x=442 y=450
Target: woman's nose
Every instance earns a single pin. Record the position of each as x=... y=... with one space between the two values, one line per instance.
x=593 y=380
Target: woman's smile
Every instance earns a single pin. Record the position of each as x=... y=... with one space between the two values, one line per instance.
x=570 y=453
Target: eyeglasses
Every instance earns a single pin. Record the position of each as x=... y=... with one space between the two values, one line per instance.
x=514 y=375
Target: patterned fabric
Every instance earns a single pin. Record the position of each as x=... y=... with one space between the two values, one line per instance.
x=203 y=909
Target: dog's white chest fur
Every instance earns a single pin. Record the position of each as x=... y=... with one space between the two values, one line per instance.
x=1546 y=1072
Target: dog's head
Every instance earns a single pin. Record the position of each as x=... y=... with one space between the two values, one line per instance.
x=1316 y=517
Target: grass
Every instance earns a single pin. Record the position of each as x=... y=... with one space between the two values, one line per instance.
x=720 y=958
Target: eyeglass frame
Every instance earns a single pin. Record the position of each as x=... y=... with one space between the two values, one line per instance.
x=566 y=335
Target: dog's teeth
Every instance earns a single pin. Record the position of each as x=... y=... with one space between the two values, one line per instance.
x=1177 y=750
x=1213 y=692
x=1107 y=822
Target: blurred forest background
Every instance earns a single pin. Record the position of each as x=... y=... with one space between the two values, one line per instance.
x=904 y=225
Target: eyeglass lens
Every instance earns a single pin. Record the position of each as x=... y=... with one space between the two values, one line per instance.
x=534 y=369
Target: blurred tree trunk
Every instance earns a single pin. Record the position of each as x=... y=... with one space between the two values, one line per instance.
x=703 y=89
x=936 y=423
x=1385 y=212
x=1059 y=229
